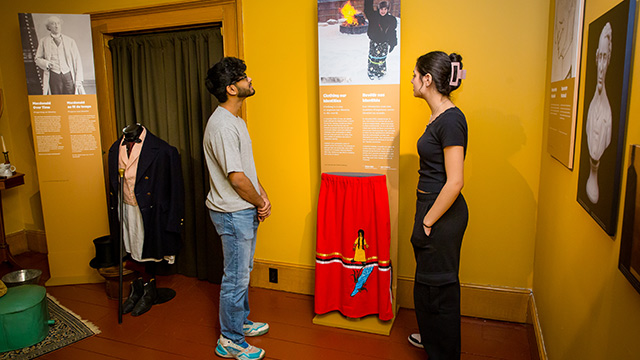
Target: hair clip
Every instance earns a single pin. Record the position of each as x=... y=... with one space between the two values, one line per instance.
x=457 y=73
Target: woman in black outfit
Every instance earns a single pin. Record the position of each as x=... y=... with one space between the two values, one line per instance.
x=441 y=211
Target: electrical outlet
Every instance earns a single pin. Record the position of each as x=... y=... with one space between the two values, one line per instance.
x=273 y=275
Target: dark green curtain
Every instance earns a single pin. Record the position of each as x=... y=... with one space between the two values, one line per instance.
x=159 y=83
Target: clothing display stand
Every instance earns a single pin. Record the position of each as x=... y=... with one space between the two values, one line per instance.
x=120 y=243
x=353 y=200
x=5 y=254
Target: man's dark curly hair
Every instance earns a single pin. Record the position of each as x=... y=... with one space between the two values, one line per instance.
x=224 y=73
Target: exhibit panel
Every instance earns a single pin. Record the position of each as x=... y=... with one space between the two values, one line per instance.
x=58 y=60
x=359 y=97
x=565 y=74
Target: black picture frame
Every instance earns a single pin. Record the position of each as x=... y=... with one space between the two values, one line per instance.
x=602 y=204
x=629 y=260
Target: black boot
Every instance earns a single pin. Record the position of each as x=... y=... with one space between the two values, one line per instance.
x=147 y=300
x=137 y=290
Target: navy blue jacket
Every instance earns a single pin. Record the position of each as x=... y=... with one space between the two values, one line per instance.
x=159 y=191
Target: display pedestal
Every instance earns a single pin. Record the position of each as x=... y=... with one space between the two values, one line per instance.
x=370 y=324
x=354 y=206
x=5 y=254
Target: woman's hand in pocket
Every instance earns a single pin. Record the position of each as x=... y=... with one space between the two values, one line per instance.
x=427 y=229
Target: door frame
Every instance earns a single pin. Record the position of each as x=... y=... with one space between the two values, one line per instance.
x=190 y=13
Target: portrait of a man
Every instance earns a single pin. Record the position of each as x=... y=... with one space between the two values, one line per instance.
x=60 y=60
x=57 y=51
x=599 y=115
x=565 y=47
x=606 y=93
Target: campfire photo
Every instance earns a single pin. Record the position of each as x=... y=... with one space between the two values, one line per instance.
x=351 y=51
x=354 y=21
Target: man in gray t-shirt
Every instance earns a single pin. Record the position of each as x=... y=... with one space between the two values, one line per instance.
x=237 y=203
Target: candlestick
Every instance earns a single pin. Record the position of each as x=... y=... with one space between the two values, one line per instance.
x=6 y=157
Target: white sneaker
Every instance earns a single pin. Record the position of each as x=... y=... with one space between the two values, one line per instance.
x=416 y=340
x=255 y=328
x=228 y=349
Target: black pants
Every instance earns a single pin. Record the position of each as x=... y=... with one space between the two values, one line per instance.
x=436 y=292
x=61 y=84
x=438 y=315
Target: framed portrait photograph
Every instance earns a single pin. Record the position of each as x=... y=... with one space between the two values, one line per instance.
x=629 y=260
x=606 y=79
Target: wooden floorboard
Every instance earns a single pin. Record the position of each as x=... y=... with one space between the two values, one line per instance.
x=187 y=327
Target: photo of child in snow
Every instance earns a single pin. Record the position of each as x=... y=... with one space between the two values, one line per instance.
x=382 y=37
x=358 y=42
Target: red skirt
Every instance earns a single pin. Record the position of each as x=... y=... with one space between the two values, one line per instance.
x=353 y=269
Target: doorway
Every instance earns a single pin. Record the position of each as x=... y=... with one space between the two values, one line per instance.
x=176 y=116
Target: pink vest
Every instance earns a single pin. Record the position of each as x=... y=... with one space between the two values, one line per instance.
x=130 y=166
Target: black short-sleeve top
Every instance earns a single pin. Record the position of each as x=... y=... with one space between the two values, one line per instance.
x=448 y=129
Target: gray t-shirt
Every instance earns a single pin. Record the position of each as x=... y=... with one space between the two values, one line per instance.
x=227 y=149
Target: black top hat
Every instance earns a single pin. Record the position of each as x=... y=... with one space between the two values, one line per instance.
x=105 y=254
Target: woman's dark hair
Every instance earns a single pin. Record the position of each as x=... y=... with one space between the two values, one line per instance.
x=224 y=73
x=438 y=64
x=383 y=4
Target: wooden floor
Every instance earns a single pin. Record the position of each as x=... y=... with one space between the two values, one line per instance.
x=187 y=327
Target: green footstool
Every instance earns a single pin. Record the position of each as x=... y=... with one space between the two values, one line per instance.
x=24 y=317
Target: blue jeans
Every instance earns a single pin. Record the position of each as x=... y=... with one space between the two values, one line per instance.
x=238 y=232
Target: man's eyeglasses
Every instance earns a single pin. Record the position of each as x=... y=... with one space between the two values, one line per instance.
x=239 y=79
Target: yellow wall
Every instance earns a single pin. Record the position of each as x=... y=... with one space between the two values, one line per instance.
x=22 y=207
x=587 y=309
x=523 y=215
x=11 y=201
x=520 y=199
x=503 y=99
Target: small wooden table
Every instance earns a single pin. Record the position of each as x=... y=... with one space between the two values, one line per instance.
x=5 y=254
